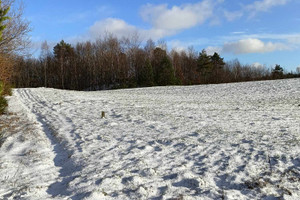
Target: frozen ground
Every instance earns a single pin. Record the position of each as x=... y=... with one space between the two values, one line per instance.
x=229 y=141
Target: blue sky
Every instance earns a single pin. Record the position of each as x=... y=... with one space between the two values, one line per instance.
x=261 y=31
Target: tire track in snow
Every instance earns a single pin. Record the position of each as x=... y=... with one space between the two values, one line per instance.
x=44 y=114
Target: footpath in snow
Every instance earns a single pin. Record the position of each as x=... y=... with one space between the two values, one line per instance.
x=227 y=141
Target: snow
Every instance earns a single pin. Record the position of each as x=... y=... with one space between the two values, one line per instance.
x=227 y=141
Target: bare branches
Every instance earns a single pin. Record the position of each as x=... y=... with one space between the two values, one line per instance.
x=6 y=70
x=110 y=62
x=15 y=37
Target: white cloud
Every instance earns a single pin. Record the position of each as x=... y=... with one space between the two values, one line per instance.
x=252 y=46
x=164 y=21
x=155 y=34
x=238 y=32
x=117 y=27
x=105 y=10
x=231 y=16
x=177 y=47
x=178 y=17
x=86 y=15
x=257 y=65
x=294 y=39
x=211 y=50
x=265 y=5
x=239 y=43
x=120 y=28
x=252 y=9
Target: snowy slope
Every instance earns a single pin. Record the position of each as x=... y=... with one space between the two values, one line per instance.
x=229 y=141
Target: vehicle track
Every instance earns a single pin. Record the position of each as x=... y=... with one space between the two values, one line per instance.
x=43 y=112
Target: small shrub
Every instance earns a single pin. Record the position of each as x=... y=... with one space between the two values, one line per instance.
x=3 y=101
x=3 y=105
x=1 y=88
x=5 y=89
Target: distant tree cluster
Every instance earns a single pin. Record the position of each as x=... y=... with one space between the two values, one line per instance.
x=121 y=63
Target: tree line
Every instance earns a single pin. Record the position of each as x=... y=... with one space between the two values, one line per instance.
x=110 y=62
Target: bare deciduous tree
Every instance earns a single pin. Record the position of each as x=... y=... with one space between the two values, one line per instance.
x=15 y=37
x=44 y=57
x=298 y=70
x=110 y=62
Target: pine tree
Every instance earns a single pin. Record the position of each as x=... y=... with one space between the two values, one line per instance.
x=158 y=56
x=63 y=53
x=166 y=75
x=3 y=18
x=217 y=61
x=63 y=49
x=204 y=65
x=217 y=68
x=146 y=77
x=277 y=72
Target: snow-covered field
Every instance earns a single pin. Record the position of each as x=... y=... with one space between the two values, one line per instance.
x=229 y=141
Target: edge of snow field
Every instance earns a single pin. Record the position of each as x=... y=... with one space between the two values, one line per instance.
x=62 y=161
x=26 y=165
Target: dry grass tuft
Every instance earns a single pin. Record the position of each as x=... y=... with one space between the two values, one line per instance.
x=8 y=125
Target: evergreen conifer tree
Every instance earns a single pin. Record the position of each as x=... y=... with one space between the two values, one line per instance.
x=146 y=78
x=204 y=65
x=3 y=17
x=217 y=61
x=63 y=53
x=217 y=68
x=277 y=72
x=166 y=75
